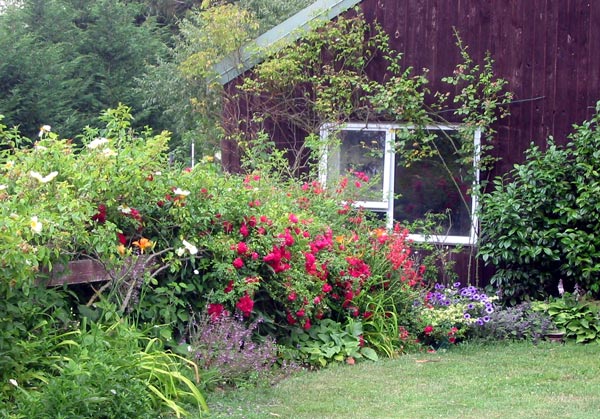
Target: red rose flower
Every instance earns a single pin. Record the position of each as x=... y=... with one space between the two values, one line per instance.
x=122 y=238
x=215 y=311
x=238 y=263
x=242 y=248
x=229 y=287
x=428 y=330
x=245 y=305
x=307 y=324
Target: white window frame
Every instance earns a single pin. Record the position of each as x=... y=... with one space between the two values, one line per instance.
x=386 y=205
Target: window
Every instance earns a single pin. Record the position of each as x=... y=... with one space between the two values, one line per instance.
x=435 y=183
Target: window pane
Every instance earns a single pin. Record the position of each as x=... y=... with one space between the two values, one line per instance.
x=430 y=186
x=360 y=151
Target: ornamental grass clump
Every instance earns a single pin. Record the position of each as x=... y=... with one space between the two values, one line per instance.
x=451 y=313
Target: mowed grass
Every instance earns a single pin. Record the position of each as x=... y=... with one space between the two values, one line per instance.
x=517 y=380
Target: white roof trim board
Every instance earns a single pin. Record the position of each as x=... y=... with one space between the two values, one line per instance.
x=289 y=30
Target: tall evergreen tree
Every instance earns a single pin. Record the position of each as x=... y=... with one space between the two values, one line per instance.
x=64 y=61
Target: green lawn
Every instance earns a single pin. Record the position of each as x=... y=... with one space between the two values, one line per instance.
x=516 y=380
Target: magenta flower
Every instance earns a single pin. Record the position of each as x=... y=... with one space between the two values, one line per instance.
x=245 y=304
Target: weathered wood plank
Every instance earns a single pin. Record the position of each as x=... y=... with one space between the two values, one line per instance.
x=78 y=272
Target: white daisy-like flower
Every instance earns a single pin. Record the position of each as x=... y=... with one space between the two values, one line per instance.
x=44 y=129
x=190 y=247
x=43 y=179
x=3 y=187
x=181 y=192
x=36 y=225
x=97 y=142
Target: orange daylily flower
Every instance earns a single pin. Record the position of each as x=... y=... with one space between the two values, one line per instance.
x=143 y=244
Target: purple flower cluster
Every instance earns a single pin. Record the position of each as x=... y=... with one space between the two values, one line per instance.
x=478 y=306
x=230 y=346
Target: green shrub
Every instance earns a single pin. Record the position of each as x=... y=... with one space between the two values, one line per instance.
x=540 y=223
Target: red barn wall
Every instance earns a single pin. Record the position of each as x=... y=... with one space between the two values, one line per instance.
x=547 y=50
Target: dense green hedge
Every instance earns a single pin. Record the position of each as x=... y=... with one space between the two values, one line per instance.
x=540 y=223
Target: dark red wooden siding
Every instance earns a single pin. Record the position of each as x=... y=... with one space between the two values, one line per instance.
x=547 y=50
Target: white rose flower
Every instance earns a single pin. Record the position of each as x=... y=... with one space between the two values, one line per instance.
x=181 y=192
x=97 y=143
x=44 y=129
x=190 y=247
x=36 y=225
x=43 y=179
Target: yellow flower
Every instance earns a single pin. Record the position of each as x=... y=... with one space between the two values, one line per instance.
x=121 y=249
x=143 y=244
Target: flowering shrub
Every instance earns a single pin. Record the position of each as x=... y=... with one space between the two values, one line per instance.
x=449 y=313
x=297 y=256
x=254 y=244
